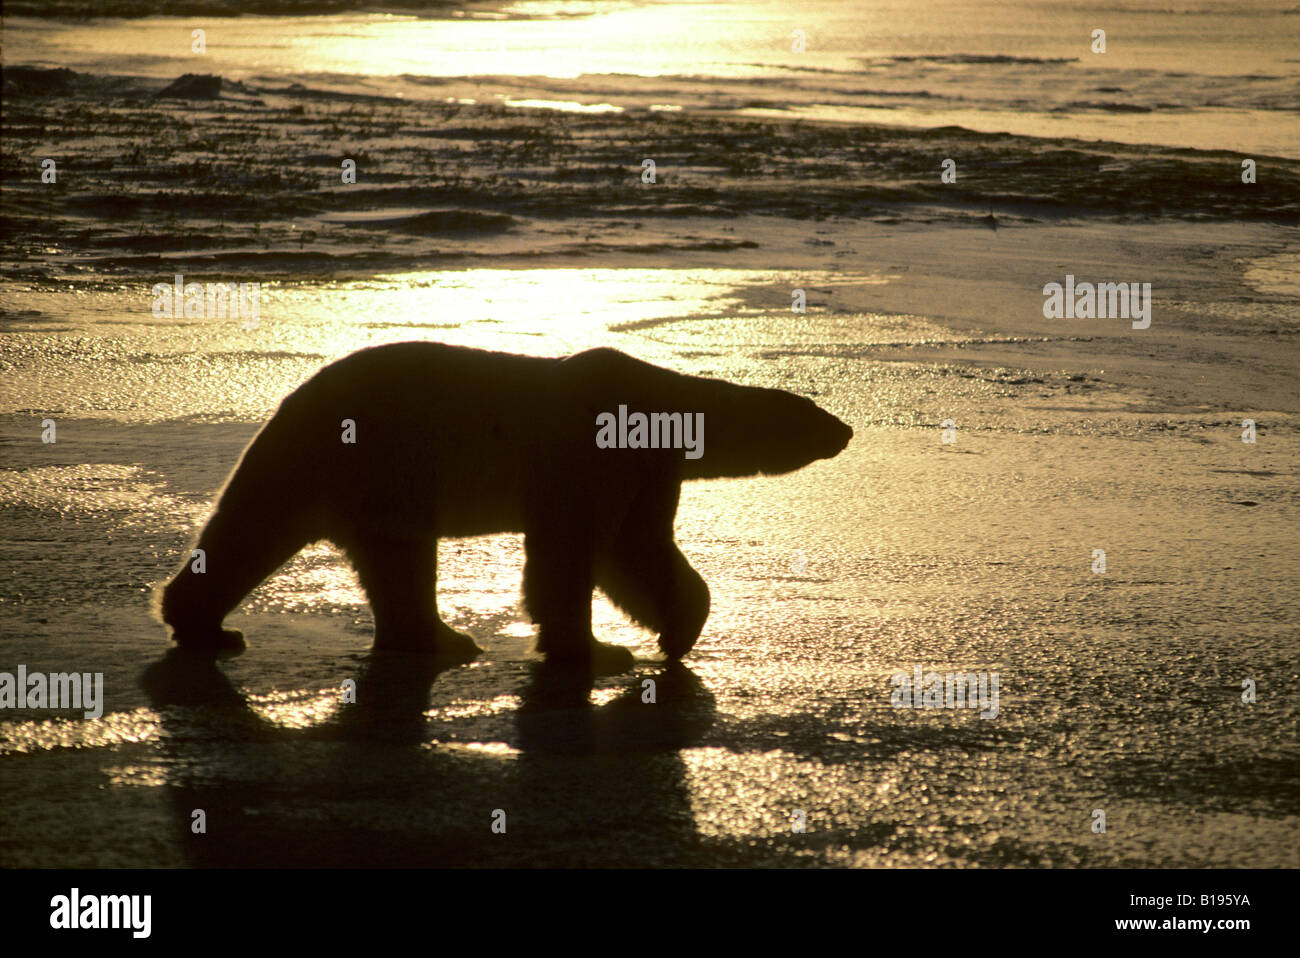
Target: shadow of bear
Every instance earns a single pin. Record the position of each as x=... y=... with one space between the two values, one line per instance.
x=573 y=784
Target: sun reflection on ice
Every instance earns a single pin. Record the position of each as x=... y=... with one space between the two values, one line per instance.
x=296 y=710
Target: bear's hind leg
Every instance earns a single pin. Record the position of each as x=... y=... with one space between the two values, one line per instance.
x=399 y=575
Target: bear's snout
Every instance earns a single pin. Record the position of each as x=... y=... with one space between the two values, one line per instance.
x=846 y=433
x=835 y=434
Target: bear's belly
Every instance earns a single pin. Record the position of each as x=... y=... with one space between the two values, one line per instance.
x=444 y=479
x=472 y=499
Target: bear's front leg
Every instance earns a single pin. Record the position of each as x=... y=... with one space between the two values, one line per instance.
x=571 y=649
x=645 y=574
x=558 y=586
x=651 y=581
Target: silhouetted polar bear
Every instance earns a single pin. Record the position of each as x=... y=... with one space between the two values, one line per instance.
x=450 y=441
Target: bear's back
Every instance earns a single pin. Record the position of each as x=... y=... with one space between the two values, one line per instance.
x=421 y=435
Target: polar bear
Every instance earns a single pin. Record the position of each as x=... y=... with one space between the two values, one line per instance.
x=392 y=447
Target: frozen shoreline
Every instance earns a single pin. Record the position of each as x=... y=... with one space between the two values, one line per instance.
x=442 y=185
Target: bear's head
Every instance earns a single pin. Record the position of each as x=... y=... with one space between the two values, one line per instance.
x=750 y=430
x=746 y=430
